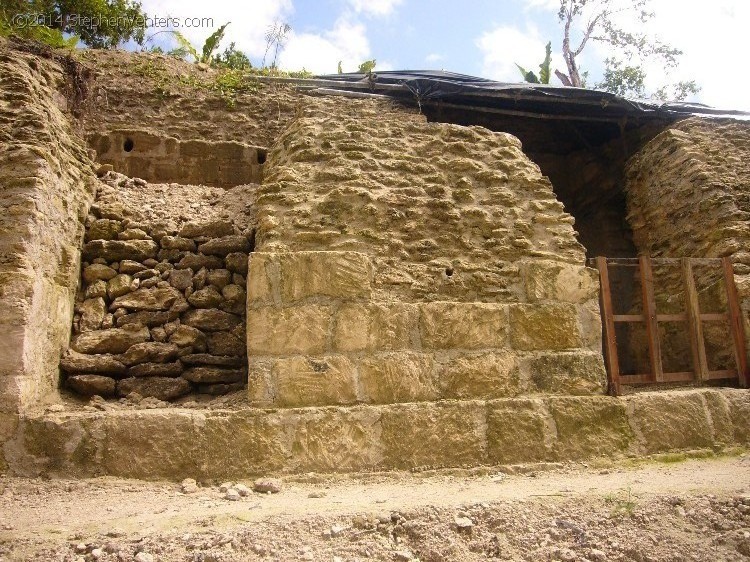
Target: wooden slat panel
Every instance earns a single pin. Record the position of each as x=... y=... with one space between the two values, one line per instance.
x=614 y=262
x=715 y=317
x=686 y=376
x=735 y=321
x=649 y=310
x=629 y=317
x=720 y=375
x=682 y=317
x=608 y=325
x=695 y=327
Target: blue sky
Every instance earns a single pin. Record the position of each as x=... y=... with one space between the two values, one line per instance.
x=479 y=37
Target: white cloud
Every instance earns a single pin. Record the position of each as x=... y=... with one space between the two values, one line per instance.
x=249 y=19
x=374 y=7
x=552 y=5
x=320 y=53
x=433 y=58
x=505 y=46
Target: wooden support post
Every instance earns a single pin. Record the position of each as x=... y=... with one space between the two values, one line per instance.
x=695 y=326
x=649 y=313
x=608 y=325
x=735 y=322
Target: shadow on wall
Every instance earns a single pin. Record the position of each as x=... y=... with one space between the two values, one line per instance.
x=162 y=159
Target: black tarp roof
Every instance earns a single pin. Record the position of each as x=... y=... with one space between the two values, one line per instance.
x=437 y=86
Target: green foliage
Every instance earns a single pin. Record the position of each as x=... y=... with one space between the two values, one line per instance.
x=62 y=23
x=232 y=58
x=276 y=35
x=367 y=67
x=212 y=43
x=185 y=47
x=606 y=21
x=623 y=503
x=340 y=71
x=544 y=69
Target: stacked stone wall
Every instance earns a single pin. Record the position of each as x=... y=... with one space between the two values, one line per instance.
x=159 y=313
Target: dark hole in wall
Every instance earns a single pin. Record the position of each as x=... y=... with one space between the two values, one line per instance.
x=262 y=155
x=128 y=145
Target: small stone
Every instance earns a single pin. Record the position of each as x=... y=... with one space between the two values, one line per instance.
x=145 y=317
x=163 y=388
x=266 y=485
x=74 y=362
x=97 y=553
x=336 y=530
x=117 y=250
x=242 y=490
x=98 y=271
x=149 y=352
x=130 y=267
x=114 y=340
x=189 y=486
x=225 y=486
x=148 y=299
x=564 y=554
x=143 y=557
x=212 y=229
x=316 y=495
x=104 y=169
x=403 y=556
x=156 y=370
x=219 y=278
x=103 y=229
x=185 y=336
x=208 y=297
x=158 y=334
x=119 y=285
x=463 y=523
x=97 y=289
x=198 y=261
x=133 y=234
x=147 y=274
x=226 y=344
x=225 y=245
x=237 y=262
x=177 y=243
x=92 y=313
x=211 y=320
x=232 y=495
x=210 y=375
x=181 y=279
x=90 y=385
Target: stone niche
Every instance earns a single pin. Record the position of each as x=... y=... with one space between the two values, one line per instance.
x=163 y=159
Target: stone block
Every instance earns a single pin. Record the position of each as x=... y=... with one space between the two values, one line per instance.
x=375 y=327
x=288 y=331
x=484 y=376
x=577 y=373
x=152 y=444
x=452 y=325
x=559 y=281
x=434 y=435
x=671 y=422
x=739 y=407
x=589 y=427
x=720 y=413
x=388 y=378
x=115 y=340
x=335 y=440
x=308 y=381
x=341 y=275
x=519 y=431
x=544 y=327
x=263 y=279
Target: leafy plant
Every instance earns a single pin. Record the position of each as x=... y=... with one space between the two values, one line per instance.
x=276 y=36
x=544 y=69
x=232 y=58
x=623 y=503
x=339 y=68
x=367 y=67
x=186 y=48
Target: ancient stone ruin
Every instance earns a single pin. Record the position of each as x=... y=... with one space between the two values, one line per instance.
x=307 y=280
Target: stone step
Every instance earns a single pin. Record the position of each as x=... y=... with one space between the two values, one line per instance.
x=177 y=443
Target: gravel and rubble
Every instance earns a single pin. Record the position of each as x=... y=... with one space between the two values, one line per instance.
x=645 y=512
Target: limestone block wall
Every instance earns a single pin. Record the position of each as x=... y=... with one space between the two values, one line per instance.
x=317 y=335
x=157 y=158
x=159 y=312
x=689 y=195
x=45 y=190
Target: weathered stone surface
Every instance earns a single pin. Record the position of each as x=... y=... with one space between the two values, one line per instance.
x=149 y=352
x=446 y=325
x=96 y=272
x=225 y=245
x=519 y=431
x=177 y=243
x=450 y=434
x=130 y=267
x=114 y=340
x=103 y=229
x=288 y=331
x=558 y=281
x=210 y=375
x=198 y=261
x=92 y=314
x=576 y=373
x=208 y=359
x=163 y=388
x=147 y=318
x=119 y=285
x=173 y=369
x=181 y=279
x=544 y=327
x=133 y=234
x=333 y=274
x=589 y=427
x=375 y=327
x=489 y=375
x=157 y=298
x=672 y=422
x=89 y=385
x=398 y=377
x=185 y=336
x=74 y=362
x=211 y=320
x=237 y=262
x=302 y=381
x=219 y=278
x=226 y=343
x=116 y=250
x=96 y=289
x=207 y=297
x=211 y=229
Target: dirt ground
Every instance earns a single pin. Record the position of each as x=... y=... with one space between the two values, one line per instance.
x=651 y=511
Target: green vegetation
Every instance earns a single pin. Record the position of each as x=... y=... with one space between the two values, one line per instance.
x=97 y=23
x=623 y=503
x=367 y=67
x=624 y=70
x=544 y=69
